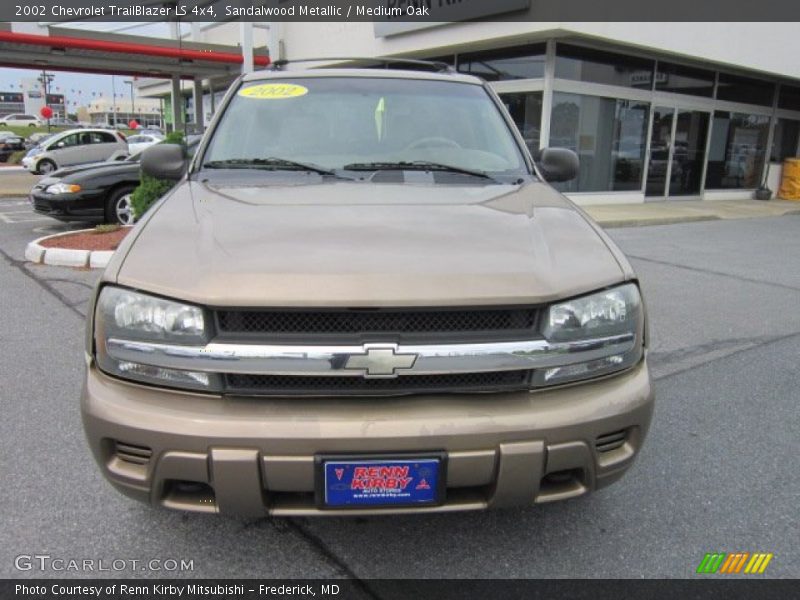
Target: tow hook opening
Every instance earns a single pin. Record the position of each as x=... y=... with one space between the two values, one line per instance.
x=189 y=495
x=562 y=484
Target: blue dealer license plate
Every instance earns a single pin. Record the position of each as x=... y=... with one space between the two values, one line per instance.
x=393 y=482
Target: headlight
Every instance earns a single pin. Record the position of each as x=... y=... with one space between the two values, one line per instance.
x=610 y=319
x=124 y=315
x=605 y=313
x=63 y=188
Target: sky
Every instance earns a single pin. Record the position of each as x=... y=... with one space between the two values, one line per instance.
x=64 y=82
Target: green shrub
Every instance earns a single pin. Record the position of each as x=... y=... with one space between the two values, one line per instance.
x=150 y=188
x=15 y=158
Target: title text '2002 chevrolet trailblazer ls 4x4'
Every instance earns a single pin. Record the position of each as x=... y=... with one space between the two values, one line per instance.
x=362 y=297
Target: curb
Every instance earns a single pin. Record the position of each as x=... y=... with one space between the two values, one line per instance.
x=645 y=222
x=66 y=257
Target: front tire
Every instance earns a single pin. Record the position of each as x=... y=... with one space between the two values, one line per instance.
x=118 y=206
x=45 y=166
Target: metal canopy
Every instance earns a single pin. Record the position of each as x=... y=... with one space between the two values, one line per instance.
x=64 y=49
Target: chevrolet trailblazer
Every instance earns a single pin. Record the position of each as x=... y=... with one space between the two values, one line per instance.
x=363 y=296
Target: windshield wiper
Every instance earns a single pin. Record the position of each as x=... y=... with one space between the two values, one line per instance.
x=416 y=165
x=266 y=163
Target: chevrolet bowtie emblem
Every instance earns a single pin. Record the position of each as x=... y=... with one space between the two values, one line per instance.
x=380 y=361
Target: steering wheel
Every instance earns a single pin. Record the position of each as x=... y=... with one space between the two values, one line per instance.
x=432 y=141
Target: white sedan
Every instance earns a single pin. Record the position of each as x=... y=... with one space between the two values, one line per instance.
x=138 y=142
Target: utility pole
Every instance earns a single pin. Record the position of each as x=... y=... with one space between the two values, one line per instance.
x=45 y=78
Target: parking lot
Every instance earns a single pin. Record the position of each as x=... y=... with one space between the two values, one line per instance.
x=718 y=472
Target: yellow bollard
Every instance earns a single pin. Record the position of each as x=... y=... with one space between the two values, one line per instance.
x=790 y=180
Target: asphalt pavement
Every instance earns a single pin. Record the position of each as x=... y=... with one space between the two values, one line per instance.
x=716 y=474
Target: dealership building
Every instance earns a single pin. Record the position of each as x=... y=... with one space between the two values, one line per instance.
x=656 y=111
x=30 y=100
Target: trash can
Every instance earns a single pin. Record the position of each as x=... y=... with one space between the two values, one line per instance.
x=790 y=180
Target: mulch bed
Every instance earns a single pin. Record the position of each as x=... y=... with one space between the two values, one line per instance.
x=88 y=240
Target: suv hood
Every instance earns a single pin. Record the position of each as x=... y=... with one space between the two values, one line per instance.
x=358 y=244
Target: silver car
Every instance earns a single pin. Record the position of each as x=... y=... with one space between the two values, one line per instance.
x=74 y=147
x=20 y=120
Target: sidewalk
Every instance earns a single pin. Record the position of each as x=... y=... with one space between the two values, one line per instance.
x=667 y=212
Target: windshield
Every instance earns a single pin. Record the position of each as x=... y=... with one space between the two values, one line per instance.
x=365 y=123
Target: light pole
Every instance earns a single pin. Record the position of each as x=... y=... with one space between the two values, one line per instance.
x=114 y=100
x=133 y=109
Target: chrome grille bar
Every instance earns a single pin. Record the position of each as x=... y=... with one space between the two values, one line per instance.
x=368 y=360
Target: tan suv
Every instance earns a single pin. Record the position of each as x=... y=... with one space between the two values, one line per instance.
x=362 y=297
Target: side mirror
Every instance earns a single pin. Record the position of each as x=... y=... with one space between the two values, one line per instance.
x=60 y=145
x=558 y=164
x=164 y=161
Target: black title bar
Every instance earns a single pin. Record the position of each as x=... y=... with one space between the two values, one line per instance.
x=398 y=11
x=701 y=588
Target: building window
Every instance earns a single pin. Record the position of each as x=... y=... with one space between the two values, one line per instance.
x=785 y=140
x=596 y=66
x=789 y=98
x=525 y=62
x=744 y=89
x=609 y=136
x=526 y=110
x=678 y=79
x=736 y=152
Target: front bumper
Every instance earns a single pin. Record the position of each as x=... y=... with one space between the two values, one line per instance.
x=86 y=205
x=256 y=456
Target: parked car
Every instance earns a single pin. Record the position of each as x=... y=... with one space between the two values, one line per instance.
x=140 y=141
x=362 y=296
x=98 y=192
x=35 y=139
x=9 y=143
x=74 y=147
x=20 y=120
x=61 y=122
x=150 y=131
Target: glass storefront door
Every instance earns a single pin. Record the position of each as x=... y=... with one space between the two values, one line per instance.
x=677 y=152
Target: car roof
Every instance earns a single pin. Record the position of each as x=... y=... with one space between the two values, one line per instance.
x=366 y=73
x=62 y=134
x=87 y=130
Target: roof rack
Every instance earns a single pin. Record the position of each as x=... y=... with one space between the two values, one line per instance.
x=386 y=62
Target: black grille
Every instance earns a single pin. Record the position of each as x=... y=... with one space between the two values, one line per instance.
x=139 y=455
x=611 y=441
x=292 y=385
x=359 y=324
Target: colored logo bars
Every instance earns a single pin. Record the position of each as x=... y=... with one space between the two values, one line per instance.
x=735 y=562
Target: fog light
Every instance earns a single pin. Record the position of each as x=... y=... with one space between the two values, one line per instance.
x=584 y=370
x=162 y=375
